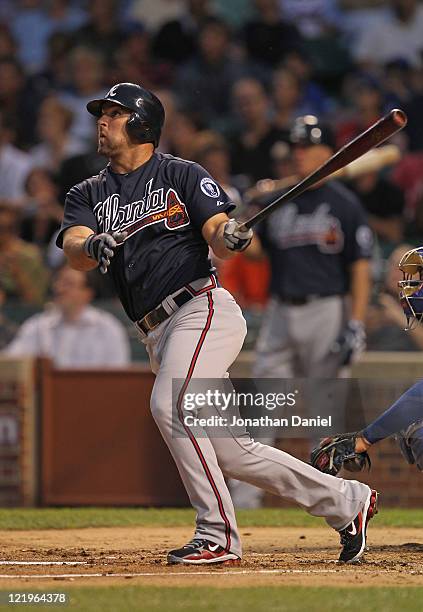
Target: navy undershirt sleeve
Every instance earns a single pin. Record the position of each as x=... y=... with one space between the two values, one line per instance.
x=405 y=411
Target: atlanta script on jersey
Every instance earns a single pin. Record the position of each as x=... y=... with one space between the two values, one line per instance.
x=163 y=206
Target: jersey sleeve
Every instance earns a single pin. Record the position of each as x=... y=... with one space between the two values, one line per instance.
x=78 y=211
x=204 y=198
x=358 y=235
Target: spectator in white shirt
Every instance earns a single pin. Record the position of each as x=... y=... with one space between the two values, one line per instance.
x=71 y=332
x=314 y=18
x=399 y=36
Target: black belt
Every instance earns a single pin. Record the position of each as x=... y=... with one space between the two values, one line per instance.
x=159 y=314
x=304 y=299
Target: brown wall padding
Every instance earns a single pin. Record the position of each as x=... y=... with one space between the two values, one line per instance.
x=100 y=444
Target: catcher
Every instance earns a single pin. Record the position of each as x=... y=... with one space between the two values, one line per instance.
x=405 y=417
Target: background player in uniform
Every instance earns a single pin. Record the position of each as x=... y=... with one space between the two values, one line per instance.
x=319 y=247
x=149 y=220
x=405 y=417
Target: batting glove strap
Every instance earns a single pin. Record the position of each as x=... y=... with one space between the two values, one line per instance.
x=235 y=238
x=338 y=452
x=350 y=343
x=410 y=441
x=101 y=247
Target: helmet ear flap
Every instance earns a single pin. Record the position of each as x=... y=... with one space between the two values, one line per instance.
x=138 y=131
x=135 y=128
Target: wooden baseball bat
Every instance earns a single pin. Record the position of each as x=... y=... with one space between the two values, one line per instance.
x=377 y=133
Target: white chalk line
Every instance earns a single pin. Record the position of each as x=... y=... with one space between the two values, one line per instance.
x=192 y=574
x=43 y=562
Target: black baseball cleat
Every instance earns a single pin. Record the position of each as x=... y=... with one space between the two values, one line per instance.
x=198 y=552
x=353 y=537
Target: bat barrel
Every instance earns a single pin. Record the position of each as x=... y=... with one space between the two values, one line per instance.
x=377 y=133
x=399 y=117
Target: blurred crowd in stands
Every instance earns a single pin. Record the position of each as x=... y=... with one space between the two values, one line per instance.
x=233 y=75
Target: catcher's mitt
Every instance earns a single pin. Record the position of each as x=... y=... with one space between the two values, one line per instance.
x=334 y=453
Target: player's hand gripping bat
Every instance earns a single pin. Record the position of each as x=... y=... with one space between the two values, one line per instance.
x=380 y=131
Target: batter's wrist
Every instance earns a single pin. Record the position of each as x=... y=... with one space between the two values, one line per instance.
x=88 y=251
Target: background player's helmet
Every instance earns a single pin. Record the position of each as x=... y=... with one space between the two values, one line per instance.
x=147 y=117
x=308 y=130
x=411 y=289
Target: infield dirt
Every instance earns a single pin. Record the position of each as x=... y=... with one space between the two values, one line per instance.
x=272 y=556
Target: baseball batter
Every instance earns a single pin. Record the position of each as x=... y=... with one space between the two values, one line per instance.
x=149 y=219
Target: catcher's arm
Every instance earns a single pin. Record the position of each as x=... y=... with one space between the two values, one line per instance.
x=337 y=452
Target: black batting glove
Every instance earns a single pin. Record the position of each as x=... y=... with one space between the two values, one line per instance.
x=235 y=238
x=101 y=247
x=350 y=343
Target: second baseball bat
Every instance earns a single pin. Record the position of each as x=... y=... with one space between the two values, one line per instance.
x=377 y=133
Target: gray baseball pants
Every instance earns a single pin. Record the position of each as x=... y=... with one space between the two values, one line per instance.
x=295 y=341
x=201 y=340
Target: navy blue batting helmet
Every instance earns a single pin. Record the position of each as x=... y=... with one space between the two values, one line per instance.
x=147 y=116
x=308 y=130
